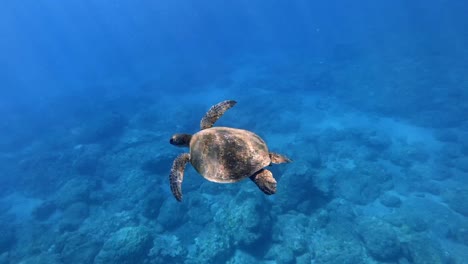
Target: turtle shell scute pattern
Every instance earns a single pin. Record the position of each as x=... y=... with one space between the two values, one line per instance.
x=226 y=155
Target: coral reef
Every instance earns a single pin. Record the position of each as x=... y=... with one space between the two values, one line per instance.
x=390 y=200
x=246 y=228
x=127 y=245
x=74 y=190
x=211 y=246
x=366 y=185
x=380 y=239
x=73 y=216
x=291 y=231
x=87 y=158
x=421 y=249
x=457 y=201
x=167 y=249
x=79 y=248
x=363 y=182
x=44 y=210
x=8 y=237
x=241 y=257
x=168 y=209
x=329 y=250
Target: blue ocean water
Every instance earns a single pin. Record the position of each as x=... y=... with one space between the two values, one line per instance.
x=367 y=98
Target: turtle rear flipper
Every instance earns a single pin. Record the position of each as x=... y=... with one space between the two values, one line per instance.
x=215 y=112
x=265 y=181
x=278 y=158
x=177 y=175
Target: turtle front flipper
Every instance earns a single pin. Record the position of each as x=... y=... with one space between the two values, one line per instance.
x=265 y=181
x=177 y=175
x=278 y=158
x=215 y=112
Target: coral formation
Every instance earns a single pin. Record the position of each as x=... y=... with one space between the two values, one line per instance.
x=79 y=248
x=380 y=239
x=167 y=249
x=127 y=245
x=73 y=216
x=371 y=183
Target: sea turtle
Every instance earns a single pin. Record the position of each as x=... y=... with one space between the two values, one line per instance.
x=224 y=154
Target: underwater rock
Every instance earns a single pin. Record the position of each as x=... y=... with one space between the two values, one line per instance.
x=303 y=259
x=167 y=249
x=445 y=135
x=280 y=254
x=170 y=208
x=75 y=190
x=43 y=170
x=102 y=223
x=459 y=233
x=421 y=214
x=158 y=166
x=320 y=219
x=421 y=249
x=87 y=158
x=126 y=246
x=324 y=181
x=440 y=172
x=461 y=164
x=340 y=210
x=241 y=257
x=73 y=216
x=291 y=192
x=462 y=236
x=431 y=187
x=364 y=183
x=152 y=205
x=199 y=212
x=7 y=237
x=334 y=250
x=4 y=258
x=245 y=219
x=417 y=153
x=79 y=248
x=379 y=142
x=405 y=154
x=390 y=200
x=380 y=239
x=400 y=160
x=457 y=200
x=450 y=151
x=331 y=135
x=464 y=145
x=291 y=231
x=43 y=258
x=310 y=155
x=44 y=210
x=211 y=246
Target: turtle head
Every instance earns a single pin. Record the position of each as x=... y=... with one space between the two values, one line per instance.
x=180 y=140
